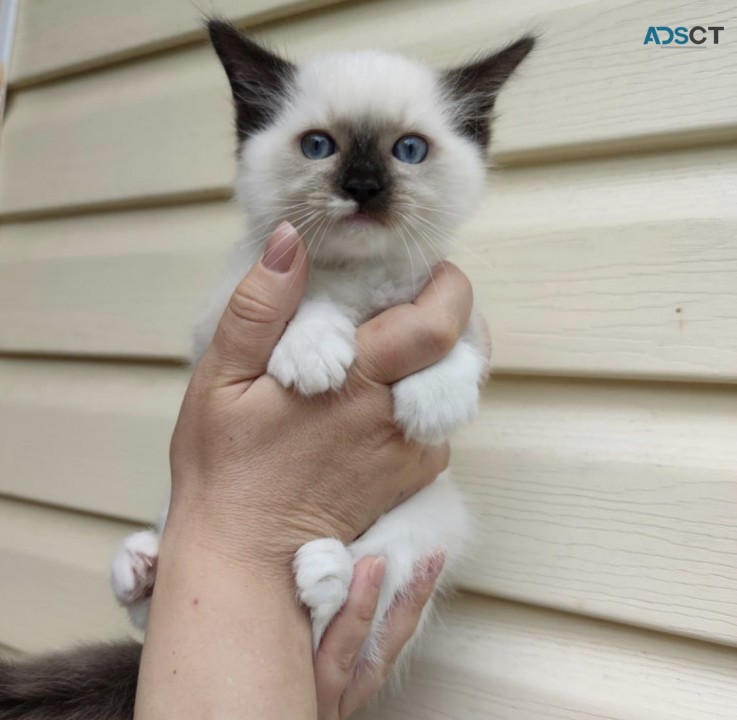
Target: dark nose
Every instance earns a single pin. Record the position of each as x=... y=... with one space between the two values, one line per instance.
x=362 y=190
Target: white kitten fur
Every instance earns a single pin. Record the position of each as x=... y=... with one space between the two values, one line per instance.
x=357 y=271
x=316 y=349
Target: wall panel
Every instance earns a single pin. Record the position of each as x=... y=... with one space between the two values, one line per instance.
x=606 y=499
x=488 y=658
x=58 y=37
x=59 y=564
x=173 y=138
x=620 y=269
x=602 y=470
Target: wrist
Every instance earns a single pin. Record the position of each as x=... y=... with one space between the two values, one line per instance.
x=233 y=545
x=222 y=630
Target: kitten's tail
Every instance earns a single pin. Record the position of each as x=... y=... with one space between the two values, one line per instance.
x=94 y=682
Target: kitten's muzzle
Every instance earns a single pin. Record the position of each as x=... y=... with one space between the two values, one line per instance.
x=362 y=191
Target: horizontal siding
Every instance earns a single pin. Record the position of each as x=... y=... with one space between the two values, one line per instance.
x=607 y=499
x=489 y=658
x=167 y=138
x=509 y=662
x=59 y=564
x=594 y=87
x=601 y=582
x=624 y=268
x=102 y=432
x=57 y=37
x=115 y=284
x=613 y=500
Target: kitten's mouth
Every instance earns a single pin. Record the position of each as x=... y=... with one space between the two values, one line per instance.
x=360 y=218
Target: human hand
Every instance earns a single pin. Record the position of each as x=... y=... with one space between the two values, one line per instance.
x=257 y=470
x=343 y=683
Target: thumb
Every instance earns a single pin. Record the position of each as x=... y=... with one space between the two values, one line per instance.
x=259 y=310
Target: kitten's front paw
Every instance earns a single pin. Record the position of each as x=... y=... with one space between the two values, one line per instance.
x=323 y=570
x=134 y=567
x=433 y=403
x=315 y=352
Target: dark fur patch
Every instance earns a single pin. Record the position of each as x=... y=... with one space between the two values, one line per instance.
x=97 y=682
x=363 y=163
x=475 y=87
x=258 y=79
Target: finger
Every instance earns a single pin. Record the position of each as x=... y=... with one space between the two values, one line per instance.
x=409 y=337
x=335 y=660
x=399 y=626
x=259 y=309
x=432 y=461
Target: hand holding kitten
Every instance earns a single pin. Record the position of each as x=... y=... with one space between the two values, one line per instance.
x=347 y=463
x=376 y=159
x=255 y=475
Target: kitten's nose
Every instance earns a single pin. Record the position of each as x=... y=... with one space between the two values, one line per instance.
x=362 y=190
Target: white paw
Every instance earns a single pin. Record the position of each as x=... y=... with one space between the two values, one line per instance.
x=323 y=570
x=134 y=567
x=433 y=403
x=315 y=352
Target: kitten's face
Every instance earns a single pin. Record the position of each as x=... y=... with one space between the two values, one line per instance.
x=368 y=155
x=363 y=161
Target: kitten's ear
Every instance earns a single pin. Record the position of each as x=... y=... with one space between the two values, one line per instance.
x=473 y=87
x=259 y=79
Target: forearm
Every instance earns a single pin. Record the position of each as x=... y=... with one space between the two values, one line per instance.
x=223 y=641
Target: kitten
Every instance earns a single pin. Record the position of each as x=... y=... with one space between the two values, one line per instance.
x=375 y=159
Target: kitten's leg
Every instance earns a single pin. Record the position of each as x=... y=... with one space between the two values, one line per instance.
x=134 y=573
x=316 y=350
x=431 y=522
x=323 y=570
x=432 y=404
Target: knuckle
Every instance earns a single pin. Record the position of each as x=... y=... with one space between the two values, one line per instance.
x=364 y=617
x=345 y=664
x=463 y=284
x=440 y=336
x=340 y=662
x=250 y=305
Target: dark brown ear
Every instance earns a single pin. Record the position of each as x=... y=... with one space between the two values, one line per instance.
x=259 y=79
x=473 y=88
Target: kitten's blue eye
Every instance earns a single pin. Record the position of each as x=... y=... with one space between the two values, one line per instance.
x=410 y=149
x=317 y=145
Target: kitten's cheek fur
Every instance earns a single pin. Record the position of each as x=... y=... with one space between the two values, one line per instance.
x=315 y=351
x=433 y=403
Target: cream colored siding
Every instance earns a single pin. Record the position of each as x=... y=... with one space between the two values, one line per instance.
x=637 y=278
x=62 y=36
x=603 y=467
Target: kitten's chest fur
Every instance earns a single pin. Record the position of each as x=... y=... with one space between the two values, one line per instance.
x=366 y=289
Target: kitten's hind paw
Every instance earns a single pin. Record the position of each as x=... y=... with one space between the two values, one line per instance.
x=134 y=567
x=323 y=570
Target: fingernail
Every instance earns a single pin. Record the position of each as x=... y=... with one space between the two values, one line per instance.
x=281 y=249
x=377 y=571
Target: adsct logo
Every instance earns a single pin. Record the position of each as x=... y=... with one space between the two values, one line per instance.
x=696 y=36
